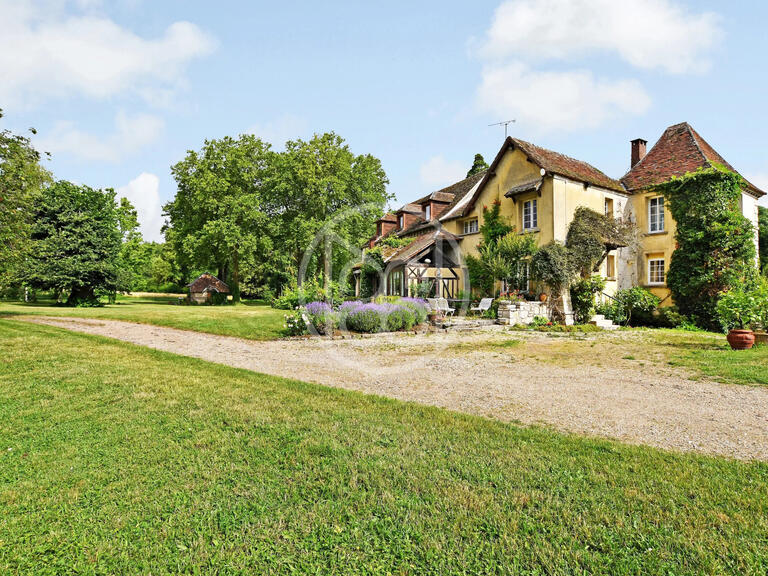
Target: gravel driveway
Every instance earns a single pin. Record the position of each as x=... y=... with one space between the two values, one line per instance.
x=476 y=373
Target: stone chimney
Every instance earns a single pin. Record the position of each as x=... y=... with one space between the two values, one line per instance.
x=638 y=150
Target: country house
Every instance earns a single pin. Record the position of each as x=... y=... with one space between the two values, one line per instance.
x=538 y=191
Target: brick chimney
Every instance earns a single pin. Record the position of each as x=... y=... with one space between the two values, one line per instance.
x=638 y=150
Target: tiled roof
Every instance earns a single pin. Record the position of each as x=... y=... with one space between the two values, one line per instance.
x=459 y=191
x=418 y=246
x=411 y=208
x=552 y=162
x=534 y=184
x=563 y=165
x=679 y=150
x=209 y=282
x=388 y=217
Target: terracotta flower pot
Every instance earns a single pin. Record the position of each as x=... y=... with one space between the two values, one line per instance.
x=542 y=297
x=761 y=338
x=741 y=339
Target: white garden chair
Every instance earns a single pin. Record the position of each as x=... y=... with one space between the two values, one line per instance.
x=484 y=306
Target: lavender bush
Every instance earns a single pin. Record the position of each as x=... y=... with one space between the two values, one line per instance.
x=322 y=316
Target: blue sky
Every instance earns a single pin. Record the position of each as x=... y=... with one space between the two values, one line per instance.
x=118 y=91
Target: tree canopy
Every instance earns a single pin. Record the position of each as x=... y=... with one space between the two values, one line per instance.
x=22 y=178
x=219 y=216
x=254 y=213
x=478 y=165
x=75 y=242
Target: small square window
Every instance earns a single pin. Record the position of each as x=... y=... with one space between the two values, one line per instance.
x=470 y=226
x=656 y=274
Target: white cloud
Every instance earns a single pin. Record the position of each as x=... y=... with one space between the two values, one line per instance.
x=143 y=193
x=520 y=78
x=649 y=34
x=568 y=100
x=437 y=172
x=132 y=133
x=46 y=52
x=278 y=131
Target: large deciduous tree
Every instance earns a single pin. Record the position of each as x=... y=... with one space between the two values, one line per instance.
x=219 y=214
x=326 y=196
x=75 y=242
x=22 y=177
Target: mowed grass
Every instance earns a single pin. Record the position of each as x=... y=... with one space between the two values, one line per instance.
x=116 y=459
x=710 y=355
x=254 y=321
x=701 y=354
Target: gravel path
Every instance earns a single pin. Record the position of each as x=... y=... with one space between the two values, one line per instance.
x=651 y=405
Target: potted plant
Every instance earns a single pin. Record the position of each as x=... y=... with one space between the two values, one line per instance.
x=761 y=337
x=739 y=310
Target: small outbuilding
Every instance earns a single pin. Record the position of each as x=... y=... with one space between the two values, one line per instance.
x=203 y=290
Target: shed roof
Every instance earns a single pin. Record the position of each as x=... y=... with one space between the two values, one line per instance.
x=207 y=282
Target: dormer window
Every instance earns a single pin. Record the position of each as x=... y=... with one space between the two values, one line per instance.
x=428 y=212
x=400 y=221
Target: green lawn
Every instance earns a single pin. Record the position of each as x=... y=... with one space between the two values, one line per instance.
x=246 y=320
x=710 y=355
x=118 y=459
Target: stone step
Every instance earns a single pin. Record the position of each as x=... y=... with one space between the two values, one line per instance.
x=602 y=322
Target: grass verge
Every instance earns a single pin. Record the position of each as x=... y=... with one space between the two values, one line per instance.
x=118 y=459
x=246 y=320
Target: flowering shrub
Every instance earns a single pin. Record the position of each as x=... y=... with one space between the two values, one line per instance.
x=295 y=325
x=388 y=315
x=400 y=318
x=418 y=306
x=366 y=318
x=322 y=316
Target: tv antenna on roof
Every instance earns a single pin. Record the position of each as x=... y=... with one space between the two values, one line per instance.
x=505 y=123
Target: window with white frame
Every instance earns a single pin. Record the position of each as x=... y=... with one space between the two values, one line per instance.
x=400 y=221
x=428 y=212
x=470 y=226
x=530 y=215
x=656 y=271
x=656 y=214
x=609 y=207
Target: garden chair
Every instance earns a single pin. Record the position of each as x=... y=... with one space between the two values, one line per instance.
x=484 y=306
x=442 y=306
x=433 y=304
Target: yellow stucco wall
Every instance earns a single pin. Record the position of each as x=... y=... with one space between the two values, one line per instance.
x=557 y=199
x=652 y=245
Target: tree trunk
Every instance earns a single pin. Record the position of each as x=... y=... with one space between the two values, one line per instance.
x=235 y=278
x=327 y=269
x=81 y=294
x=299 y=279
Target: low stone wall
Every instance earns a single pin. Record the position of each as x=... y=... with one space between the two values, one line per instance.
x=512 y=313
